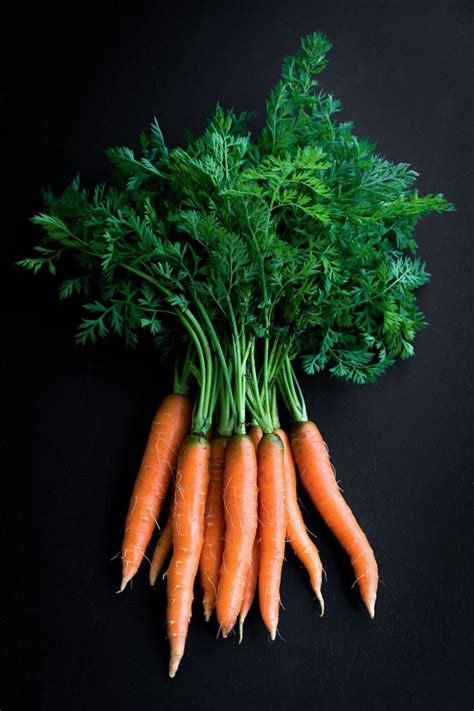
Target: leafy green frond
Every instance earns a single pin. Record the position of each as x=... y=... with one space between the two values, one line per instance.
x=302 y=234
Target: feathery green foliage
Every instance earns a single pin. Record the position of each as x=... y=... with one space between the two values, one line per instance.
x=298 y=242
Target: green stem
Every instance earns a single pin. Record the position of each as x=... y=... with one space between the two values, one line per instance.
x=225 y=424
x=291 y=392
x=214 y=393
x=199 y=412
x=219 y=350
x=266 y=394
x=240 y=353
x=274 y=408
x=256 y=404
x=181 y=379
x=208 y=366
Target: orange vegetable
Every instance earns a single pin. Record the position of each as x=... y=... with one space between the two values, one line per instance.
x=318 y=478
x=255 y=433
x=169 y=428
x=162 y=549
x=211 y=555
x=240 y=510
x=272 y=527
x=250 y=587
x=296 y=532
x=192 y=479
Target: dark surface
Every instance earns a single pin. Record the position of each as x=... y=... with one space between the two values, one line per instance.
x=76 y=419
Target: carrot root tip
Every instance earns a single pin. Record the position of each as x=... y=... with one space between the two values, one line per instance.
x=207 y=611
x=174 y=665
x=321 y=602
x=124 y=584
x=370 y=605
x=241 y=628
x=127 y=575
x=226 y=631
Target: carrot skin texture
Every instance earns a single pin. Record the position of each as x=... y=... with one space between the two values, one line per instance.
x=240 y=511
x=169 y=428
x=296 y=531
x=162 y=549
x=255 y=433
x=272 y=527
x=192 y=478
x=318 y=478
x=213 y=545
x=250 y=587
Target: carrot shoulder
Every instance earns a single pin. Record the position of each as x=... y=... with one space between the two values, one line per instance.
x=240 y=511
x=213 y=545
x=255 y=433
x=169 y=428
x=192 y=479
x=296 y=531
x=272 y=527
x=318 y=478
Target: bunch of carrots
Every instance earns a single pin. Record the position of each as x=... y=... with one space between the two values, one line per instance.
x=240 y=257
x=233 y=507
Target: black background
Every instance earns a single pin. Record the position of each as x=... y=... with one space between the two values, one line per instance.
x=83 y=78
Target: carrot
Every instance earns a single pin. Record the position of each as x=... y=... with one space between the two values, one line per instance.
x=192 y=479
x=250 y=587
x=211 y=556
x=255 y=433
x=296 y=532
x=240 y=504
x=162 y=548
x=168 y=431
x=318 y=478
x=272 y=527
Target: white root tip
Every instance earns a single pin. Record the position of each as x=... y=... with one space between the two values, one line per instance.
x=125 y=580
x=174 y=665
x=152 y=578
x=273 y=634
x=370 y=605
x=241 y=628
x=321 y=603
x=207 y=611
x=316 y=585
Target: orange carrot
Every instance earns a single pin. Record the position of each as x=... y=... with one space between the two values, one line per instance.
x=272 y=527
x=168 y=430
x=318 y=478
x=255 y=433
x=296 y=532
x=250 y=587
x=211 y=556
x=192 y=479
x=162 y=548
x=240 y=504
